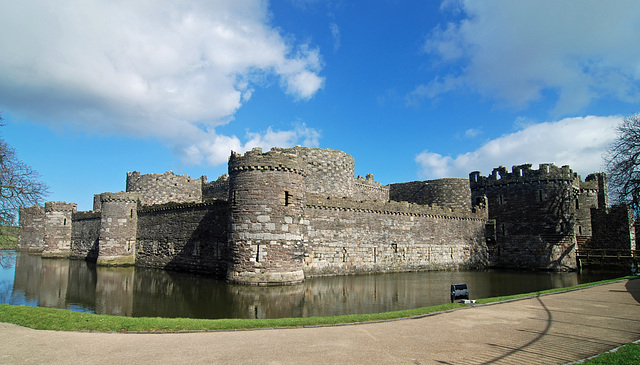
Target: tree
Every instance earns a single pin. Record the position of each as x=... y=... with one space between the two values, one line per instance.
x=623 y=163
x=20 y=185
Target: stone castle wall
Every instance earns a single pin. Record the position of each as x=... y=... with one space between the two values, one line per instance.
x=164 y=188
x=449 y=192
x=613 y=229
x=369 y=189
x=85 y=235
x=285 y=214
x=535 y=215
x=345 y=236
x=218 y=189
x=327 y=171
x=184 y=236
x=32 y=222
x=57 y=229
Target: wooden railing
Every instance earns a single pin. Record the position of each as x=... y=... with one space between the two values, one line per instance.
x=607 y=254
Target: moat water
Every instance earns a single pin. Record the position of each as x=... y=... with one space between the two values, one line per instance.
x=140 y=292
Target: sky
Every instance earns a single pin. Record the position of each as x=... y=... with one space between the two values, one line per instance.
x=412 y=89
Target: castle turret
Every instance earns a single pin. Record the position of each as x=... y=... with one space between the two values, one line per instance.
x=57 y=229
x=534 y=215
x=267 y=204
x=119 y=221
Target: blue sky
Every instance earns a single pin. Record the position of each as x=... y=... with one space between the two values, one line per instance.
x=413 y=90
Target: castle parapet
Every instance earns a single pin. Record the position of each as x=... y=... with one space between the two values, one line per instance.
x=523 y=174
x=270 y=161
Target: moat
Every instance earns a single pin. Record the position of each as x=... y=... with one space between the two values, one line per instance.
x=139 y=292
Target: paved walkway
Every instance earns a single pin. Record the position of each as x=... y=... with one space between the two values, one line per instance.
x=551 y=329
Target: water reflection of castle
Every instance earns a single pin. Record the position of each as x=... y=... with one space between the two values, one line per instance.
x=129 y=291
x=287 y=214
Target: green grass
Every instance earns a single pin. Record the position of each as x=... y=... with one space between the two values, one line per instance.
x=628 y=354
x=8 y=238
x=66 y=320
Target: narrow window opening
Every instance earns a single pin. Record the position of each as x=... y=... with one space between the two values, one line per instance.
x=394 y=246
x=233 y=197
x=577 y=204
x=257 y=253
x=65 y=222
x=344 y=254
x=131 y=213
x=580 y=230
x=287 y=199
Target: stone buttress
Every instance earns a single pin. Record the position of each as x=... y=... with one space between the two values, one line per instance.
x=118 y=227
x=267 y=207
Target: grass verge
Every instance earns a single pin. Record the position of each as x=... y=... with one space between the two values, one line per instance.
x=66 y=320
x=627 y=354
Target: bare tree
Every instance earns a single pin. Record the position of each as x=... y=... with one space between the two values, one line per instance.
x=20 y=185
x=623 y=163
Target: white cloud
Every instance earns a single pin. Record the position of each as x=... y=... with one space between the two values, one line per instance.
x=335 y=33
x=215 y=149
x=515 y=51
x=577 y=142
x=148 y=68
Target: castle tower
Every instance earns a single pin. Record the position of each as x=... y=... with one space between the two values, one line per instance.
x=534 y=213
x=31 y=231
x=57 y=229
x=267 y=206
x=118 y=226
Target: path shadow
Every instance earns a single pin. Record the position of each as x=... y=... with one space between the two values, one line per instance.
x=633 y=287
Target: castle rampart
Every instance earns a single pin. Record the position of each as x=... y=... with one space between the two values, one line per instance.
x=289 y=213
x=449 y=192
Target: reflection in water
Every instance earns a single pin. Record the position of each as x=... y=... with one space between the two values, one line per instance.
x=138 y=292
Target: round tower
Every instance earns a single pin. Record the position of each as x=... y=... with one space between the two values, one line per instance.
x=266 y=195
x=118 y=227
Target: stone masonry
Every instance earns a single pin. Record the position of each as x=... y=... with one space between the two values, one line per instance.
x=283 y=215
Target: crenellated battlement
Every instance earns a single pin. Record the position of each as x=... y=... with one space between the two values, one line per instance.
x=60 y=207
x=124 y=197
x=273 y=160
x=319 y=201
x=524 y=174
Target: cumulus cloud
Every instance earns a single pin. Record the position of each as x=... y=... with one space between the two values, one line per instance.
x=577 y=142
x=215 y=148
x=516 y=51
x=160 y=68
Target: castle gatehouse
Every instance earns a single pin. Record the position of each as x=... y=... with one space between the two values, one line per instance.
x=291 y=213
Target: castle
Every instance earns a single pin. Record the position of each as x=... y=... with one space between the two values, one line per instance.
x=291 y=213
